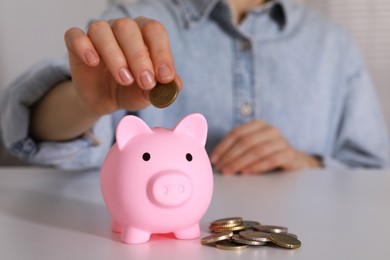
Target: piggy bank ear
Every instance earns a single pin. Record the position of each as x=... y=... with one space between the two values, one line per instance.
x=128 y=128
x=194 y=125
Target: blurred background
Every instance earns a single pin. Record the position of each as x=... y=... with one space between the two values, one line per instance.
x=33 y=30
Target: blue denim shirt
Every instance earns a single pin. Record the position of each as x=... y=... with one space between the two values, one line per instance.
x=283 y=64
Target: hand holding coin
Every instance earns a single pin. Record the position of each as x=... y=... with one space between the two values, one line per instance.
x=115 y=63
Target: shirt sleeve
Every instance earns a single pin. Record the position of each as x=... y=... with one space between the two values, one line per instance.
x=88 y=151
x=362 y=136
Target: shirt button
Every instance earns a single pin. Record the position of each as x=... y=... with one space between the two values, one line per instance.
x=245 y=45
x=246 y=110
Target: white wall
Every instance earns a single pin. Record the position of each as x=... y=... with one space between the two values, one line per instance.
x=31 y=30
x=369 y=23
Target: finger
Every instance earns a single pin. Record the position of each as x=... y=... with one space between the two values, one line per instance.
x=107 y=46
x=274 y=161
x=132 y=98
x=157 y=41
x=228 y=142
x=255 y=154
x=80 y=47
x=137 y=55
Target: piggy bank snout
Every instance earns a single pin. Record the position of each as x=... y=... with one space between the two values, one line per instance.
x=169 y=189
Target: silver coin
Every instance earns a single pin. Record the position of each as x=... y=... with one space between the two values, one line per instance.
x=271 y=229
x=250 y=224
x=241 y=240
x=255 y=235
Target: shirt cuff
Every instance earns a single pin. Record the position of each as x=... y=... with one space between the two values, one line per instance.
x=18 y=98
x=85 y=152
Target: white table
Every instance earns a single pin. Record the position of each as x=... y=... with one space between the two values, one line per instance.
x=51 y=214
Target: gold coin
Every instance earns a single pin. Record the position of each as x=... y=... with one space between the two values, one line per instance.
x=255 y=235
x=230 y=245
x=240 y=240
x=227 y=221
x=271 y=229
x=225 y=226
x=162 y=95
x=214 y=226
x=216 y=237
x=290 y=234
x=234 y=228
x=286 y=241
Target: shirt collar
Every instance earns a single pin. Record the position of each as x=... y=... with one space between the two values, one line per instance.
x=195 y=11
x=198 y=10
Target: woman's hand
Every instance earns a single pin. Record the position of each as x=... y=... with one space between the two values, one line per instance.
x=116 y=63
x=257 y=147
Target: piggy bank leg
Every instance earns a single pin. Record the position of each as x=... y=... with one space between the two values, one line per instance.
x=188 y=233
x=116 y=227
x=131 y=235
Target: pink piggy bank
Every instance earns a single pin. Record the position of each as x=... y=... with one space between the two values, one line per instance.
x=157 y=180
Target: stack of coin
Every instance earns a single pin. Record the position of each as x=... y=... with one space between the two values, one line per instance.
x=228 y=224
x=237 y=234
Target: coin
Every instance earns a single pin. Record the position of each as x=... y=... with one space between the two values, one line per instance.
x=255 y=235
x=284 y=240
x=241 y=240
x=230 y=245
x=162 y=95
x=227 y=221
x=216 y=226
x=234 y=228
x=290 y=234
x=251 y=233
x=216 y=237
x=213 y=226
x=271 y=229
x=250 y=224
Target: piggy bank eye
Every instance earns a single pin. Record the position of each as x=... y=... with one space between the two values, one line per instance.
x=189 y=157
x=146 y=157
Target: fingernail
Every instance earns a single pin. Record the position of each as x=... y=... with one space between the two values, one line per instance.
x=147 y=80
x=90 y=57
x=126 y=76
x=164 y=73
